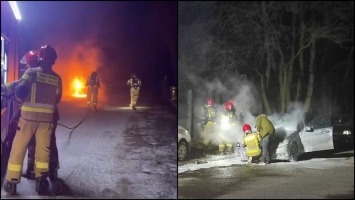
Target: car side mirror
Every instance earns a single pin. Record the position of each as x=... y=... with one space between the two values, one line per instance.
x=308 y=129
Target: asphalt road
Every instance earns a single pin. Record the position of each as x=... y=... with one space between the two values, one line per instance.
x=114 y=153
x=319 y=175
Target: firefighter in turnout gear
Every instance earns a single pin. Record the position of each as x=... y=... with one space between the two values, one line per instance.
x=251 y=142
x=267 y=131
x=135 y=85
x=209 y=121
x=31 y=60
x=40 y=90
x=228 y=120
x=93 y=83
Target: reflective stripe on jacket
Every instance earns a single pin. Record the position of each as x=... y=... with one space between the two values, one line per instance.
x=45 y=92
x=252 y=143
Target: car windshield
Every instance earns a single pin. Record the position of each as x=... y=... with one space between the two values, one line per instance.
x=320 y=122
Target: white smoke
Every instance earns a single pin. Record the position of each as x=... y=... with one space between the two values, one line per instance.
x=247 y=100
x=244 y=96
x=289 y=122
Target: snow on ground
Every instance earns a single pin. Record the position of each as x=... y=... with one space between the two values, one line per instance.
x=213 y=161
x=223 y=161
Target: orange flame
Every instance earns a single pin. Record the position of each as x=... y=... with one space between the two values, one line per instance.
x=78 y=86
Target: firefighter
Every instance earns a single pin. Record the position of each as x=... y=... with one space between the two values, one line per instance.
x=36 y=119
x=228 y=120
x=209 y=120
x=267 y=131
x=93 y=83
x=30 y=59
x=251 y=142
x=135 y=85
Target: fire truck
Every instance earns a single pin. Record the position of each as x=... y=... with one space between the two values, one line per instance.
x=10 y=22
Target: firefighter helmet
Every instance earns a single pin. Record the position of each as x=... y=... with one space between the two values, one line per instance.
x=30 y=58
x=93 y=74
x=246 y=127
x=228 y=106
x=47 y=54
x=210 y=102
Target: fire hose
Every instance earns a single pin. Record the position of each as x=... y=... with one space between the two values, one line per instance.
x=76 y=126
x=12 y=97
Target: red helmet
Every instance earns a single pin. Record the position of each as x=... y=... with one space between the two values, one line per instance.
x=210 y=102
x=228 y=105
x=47 y=54
x=246 y=127
x=30 y=58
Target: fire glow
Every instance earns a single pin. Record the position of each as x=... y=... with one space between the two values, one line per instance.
x=78 y=86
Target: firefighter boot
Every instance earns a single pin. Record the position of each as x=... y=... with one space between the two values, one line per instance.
x=42 y=186
x=249 y=160
x=134 y=106
x=29 y=174
x=10 y=187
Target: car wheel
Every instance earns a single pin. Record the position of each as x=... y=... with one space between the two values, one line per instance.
x=182 y=150
x=294 y=153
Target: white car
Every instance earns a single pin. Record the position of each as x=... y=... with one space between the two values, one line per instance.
x=322 y=133
x=184 y=140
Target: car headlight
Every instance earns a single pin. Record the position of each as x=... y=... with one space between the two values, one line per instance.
x=346 y=132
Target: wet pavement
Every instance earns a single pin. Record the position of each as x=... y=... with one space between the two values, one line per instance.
x=114 y=153
x=327 y=174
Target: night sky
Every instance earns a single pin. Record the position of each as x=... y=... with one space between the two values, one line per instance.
x=115 y=38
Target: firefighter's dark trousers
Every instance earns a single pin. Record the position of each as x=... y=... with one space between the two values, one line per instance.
x=134 y=96
x=265 y=148
x=54 y=158
x=27 y=129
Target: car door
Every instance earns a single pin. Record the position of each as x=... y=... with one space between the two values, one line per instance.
x=306 y=136
x=320 y=137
